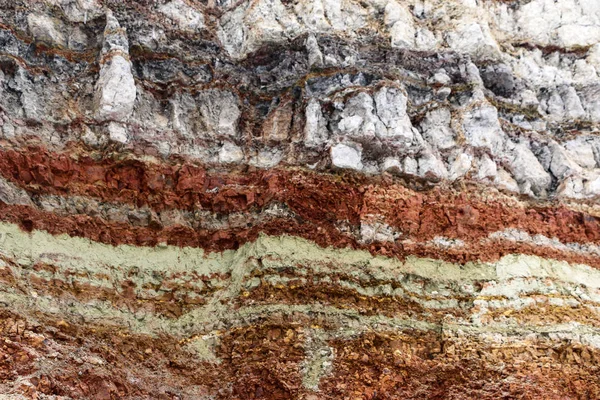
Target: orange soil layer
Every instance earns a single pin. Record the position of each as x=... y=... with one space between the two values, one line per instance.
x=265 y=361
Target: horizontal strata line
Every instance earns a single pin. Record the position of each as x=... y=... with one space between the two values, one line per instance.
x=314 y=197
x=204 y=219
x=84 y=257
x=64 y=206
x=56 y=258
x=205 y=321
x=80 y=254
x=116 y=233
x=175 y=291
x=401 y=307
x=400 y=293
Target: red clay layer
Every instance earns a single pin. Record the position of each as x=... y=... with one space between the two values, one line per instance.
x=324 y=233
x=319 y=201
x=313 y=197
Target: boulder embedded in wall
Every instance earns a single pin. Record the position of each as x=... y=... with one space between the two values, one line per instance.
x=563 y=103
x=230 y=153
x=115 y=90
x=561 y=164
x=436 y=128
x=431 y=166
x=527 y=169
x=390 y=105
x=566 y=23
x=79 y=10
x=482 y=129
x=243 y=29
x=473 y=38
x=584 y=150
x=117 y=132
x=315 y=56
x=460 y=165
x=401 y=25
x=486 y=168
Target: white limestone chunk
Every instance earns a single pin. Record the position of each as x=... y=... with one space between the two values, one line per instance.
x=460 y=166
x=392 y=165
x=79 y=10
x=45 y=28
x=220 y=112
x=581 y=150
x=432 y=167
x=487 y=168
x=185 y=16
x=315 y=56
x=391 y=110
x=411 y=166
x=115 y=90
x=315 y=130
x=230 y=153
x=527 y=169
x=482 y=129
x=436 y=128
x=117 y=132
x=346 y=157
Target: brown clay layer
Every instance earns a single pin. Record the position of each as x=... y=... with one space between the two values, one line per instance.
x=384 y=366
x=267 y=361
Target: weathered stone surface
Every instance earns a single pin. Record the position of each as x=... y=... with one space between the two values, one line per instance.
x=327 y=199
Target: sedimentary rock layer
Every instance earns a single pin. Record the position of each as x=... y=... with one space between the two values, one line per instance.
x=283 y=317
x=269 y=199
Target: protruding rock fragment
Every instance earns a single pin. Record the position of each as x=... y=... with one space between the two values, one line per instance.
x=219 y=111
x=460 y=166
x=115 y=88
x=47 y=29
x=482 y=129
x=185 y=16
x=527 y=169
x=392 y=165
x=402 y=30
x=343 y=156
x=315 y=57
x=436 y=128
x=230 y=153
x=79 y=10
x=432 y=167
x=117 y=132
x=383 y=116
x=315 y=130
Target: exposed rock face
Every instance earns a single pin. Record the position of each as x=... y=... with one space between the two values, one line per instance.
x=320 y=199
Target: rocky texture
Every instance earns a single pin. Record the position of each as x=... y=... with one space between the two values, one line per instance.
x=309 y=199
